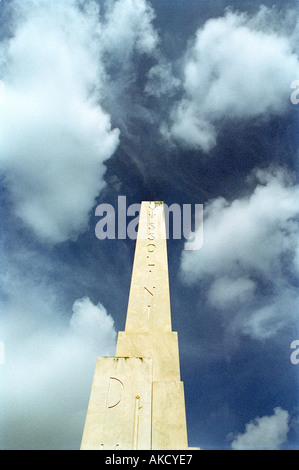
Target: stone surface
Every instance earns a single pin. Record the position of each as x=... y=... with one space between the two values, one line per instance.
x=137 y=398
x=119 y=411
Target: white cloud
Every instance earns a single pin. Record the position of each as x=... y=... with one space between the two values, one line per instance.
x=267 y=320
x=49 y=366
x=51 y=343
x=55 y=135
x=237 y=67
x=246 y=242
x=91 y=321
x=251 y=232
x=128 y=39
x=161 y=80
x=63 y=61
x=226 y=291
x=128 y=28
x=192 y=128
x=264 y=433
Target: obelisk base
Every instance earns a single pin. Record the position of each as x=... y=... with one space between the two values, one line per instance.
x=169 y=429
x=129 y=411
x=119 y=410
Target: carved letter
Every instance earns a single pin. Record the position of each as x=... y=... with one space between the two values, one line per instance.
x=152 y=247
x=115 y=391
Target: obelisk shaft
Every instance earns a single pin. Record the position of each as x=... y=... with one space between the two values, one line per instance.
x=149 y=302
x=148 y=329
x=137 y=398
x=148 y=326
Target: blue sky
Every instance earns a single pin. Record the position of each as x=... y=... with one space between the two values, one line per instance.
x=182 y=101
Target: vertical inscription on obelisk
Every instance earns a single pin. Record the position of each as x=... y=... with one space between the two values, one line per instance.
x=149 y=288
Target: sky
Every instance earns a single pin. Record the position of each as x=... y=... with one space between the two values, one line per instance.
x=188 y=102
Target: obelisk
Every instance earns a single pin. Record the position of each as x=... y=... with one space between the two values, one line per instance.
x=137 y=397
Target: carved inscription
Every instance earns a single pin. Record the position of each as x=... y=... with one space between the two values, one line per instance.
x=115 y=392
x=151 y=293
x=151 y=248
